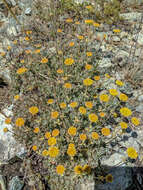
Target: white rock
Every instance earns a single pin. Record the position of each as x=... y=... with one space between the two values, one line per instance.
x=114 y=159
x=105 y=63
x=28 y=11
x=8 y=146
x=140 y=39
x=11 y=30
x=140 y=98
x=116 y=39
x=132 y=16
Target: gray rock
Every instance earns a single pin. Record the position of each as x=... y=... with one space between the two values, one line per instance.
x=140 y=98
x=140 y=39
x=122 y=179
x=116 y=38
x=132 y=16
x=15 y=184
x=28 y=11
x=2 y=183
x=105 y=63
x=139 y=108
x=11 y=31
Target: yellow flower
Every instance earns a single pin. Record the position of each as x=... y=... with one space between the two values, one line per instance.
x=88 y=7
x=55 y=132
x=87 y=82
x=28 y=51
x=37 y=51
x=22 y=61
x=36 y=130
x=123 y=97
x=73 y=104
x=72 y=131
x=69 y=20
x=109 y=178
x=5 y=130
x=60 y=71
x=69 y=61
x=71 y=151
x=88 y=66
x=119 y=83
x=89 y=54
x=105 y=131
x=34 y=147
x=52 y=141
x=19 y=122
x=107 y=75
x=33 y=110
x=53 y=151
x=47 y=135
x=97 y=77
x=8 y=121
x=104 y=98
x=116 y=30
x=78 y=169
x=2 y=53
x=45 y=153
x=89 y=104
x=28 y=32
x=102 y=114
x=113 y=92
x=77 y=22
x=123 y=125
x=37 y=45
x=135 y=121
x=96 y=24
x=95 y=135
x=9 y=48
x=93 y=117
x=60 y=169
x=59 y=30
x=15 y=42
x=71 y=44
x=88 y=21
x=82 y=110
x=54 y=114
x=63 y=105
x=50 y=101
x=16 y=97
x=125 y=111
x=44 y=60
x=132 y=153
x=21 y=70
x=80 y=37
x=27 y=38
x=82 y=137
x=87 y=169
x=67 y=85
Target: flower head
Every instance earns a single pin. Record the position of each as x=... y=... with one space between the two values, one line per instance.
x=55 y=132
x=135 y=121
x=89 y=104
x=83 y=137
x=78 y=170
x=123 y=97
x=105 y=131
x=52 y=141
x=5 y=130
x=109 y=178
x=93 y=117
x=19 y=122
x=104 y=98
x=82 y=110
x=125 y=111
x=72 y=131
x=95 y=135
x=71 y=151
x=63 y=105
x=33 y=110
x=21 y=70
x=54 y=114
x=8 y=120
x=36 y=130
x=69 y=61
x=123 y=125
x=53 y=151
x=34 y=147
x=88 y=82
x=119 y=83
x=132 y=153
x=67 y=85
x=44 y=60
x=73 y=104
x=113 y=92
x=47 y=135
x=60 y=169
